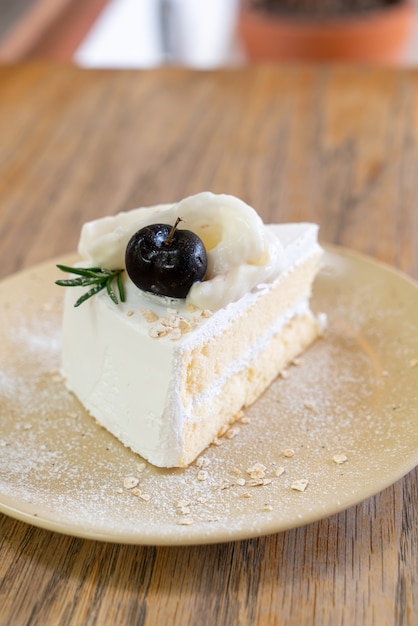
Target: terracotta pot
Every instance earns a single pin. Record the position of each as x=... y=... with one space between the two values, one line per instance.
x=377 y=36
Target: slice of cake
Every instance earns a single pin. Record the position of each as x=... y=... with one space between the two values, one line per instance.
x=167 y=375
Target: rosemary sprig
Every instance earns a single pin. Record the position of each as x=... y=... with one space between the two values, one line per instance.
x=98 y=278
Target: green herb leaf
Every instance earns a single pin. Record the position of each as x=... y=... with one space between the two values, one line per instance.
x=101 y=278
x=78 y=282
x=90 y=293
x=121 y=288
x=110 y=291
x=82 y=271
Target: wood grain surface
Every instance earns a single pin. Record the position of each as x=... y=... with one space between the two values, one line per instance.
x=335 y=145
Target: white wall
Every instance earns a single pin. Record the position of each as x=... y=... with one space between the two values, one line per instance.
x=199 y=33
x=129 y=33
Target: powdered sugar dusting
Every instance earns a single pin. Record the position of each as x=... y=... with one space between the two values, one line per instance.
x=338 y=427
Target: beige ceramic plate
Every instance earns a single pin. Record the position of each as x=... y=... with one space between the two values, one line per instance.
x=354 y=394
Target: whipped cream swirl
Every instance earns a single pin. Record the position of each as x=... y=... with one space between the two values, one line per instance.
x=242 y=252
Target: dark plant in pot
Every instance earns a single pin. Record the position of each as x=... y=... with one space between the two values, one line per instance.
x=375 y=31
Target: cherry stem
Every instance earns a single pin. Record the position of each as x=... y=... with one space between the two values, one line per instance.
x=172 y=231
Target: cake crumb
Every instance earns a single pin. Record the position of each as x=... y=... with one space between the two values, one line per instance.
x=288 y=453
x=236 y=471
x=241 y=482
x=173 y=325
x=157 y=331
x=169 y=322
x=257 y=471
x=136 y=491
x=231 y=432
x=141 y=467
x=246 y=495
x=174 y=334
x=267 y=507
x=255 y=482
x=245 y=420
x=284 y=374
x=297 y=361
x=339 y=458
x=202 y=475
x=129 y=313
x=184 y=326
x=183 y=503
x=259 y=482
x=413 y=363
x=186 y=521
x=279 y=471
x=149 y=315
x=309 y=405
x=129 y=482
x=300 y=485
x=145 y=496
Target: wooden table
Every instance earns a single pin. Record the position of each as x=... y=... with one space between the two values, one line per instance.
x=334 y=145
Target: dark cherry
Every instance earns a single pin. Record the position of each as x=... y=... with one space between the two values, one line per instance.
x=165 y=261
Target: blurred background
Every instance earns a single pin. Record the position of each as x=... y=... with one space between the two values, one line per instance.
x=207 y=34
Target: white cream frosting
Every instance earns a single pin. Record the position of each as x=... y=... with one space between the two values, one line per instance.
x=242 y=252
